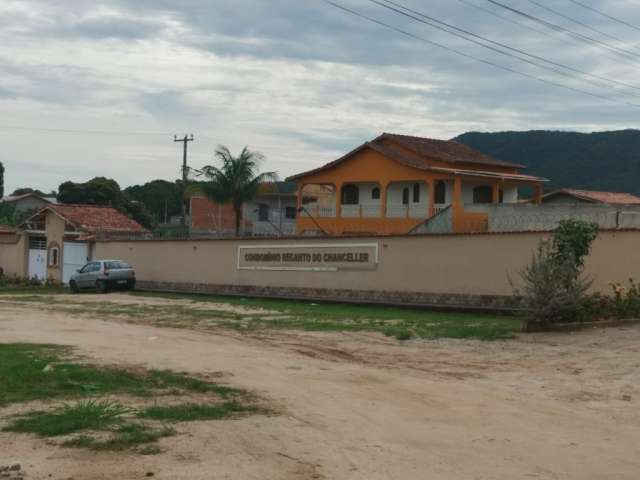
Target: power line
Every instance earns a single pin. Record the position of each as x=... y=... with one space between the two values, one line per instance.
x=499 y=44
x=504 y=19
x=577 y=22
x=78 y=131
x=516 y=22
x=89 y=132
x=471 y=57
x=600 y=12
x=613 y=49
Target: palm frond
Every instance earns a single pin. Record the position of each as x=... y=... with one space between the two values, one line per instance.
x=236 y=180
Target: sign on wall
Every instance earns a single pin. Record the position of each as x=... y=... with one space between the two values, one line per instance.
x=327 y=258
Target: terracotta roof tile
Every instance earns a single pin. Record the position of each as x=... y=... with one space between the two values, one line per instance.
x=93 y=218
x=612 y=198
x=426 y=148
x=446 y=150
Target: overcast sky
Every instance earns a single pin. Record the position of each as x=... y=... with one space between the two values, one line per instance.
x=298 y=80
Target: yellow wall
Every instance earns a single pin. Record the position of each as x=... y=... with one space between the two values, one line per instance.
x=456 y=264
x=365 y=166
x=369 y=165
x=13 y=255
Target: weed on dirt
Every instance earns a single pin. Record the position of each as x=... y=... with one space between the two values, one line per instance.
x=45 y=372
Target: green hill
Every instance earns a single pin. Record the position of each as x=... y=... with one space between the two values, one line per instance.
x=607 y=161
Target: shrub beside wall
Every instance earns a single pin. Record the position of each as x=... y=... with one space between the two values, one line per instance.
x=554 y=289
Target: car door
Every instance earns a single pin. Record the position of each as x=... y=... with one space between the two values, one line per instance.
x=84 y=279
x=93 y=274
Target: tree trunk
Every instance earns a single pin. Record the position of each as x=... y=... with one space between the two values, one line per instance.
x=238 y=212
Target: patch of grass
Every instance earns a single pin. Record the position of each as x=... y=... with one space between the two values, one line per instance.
x=402 y=323
x=33 y=372
x=30 y=372
x=168 y=378
x=192 y=412
x=124 y=437
x=131 y=435
x=85 y=415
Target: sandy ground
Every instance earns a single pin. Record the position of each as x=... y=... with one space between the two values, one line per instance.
x=362 y=406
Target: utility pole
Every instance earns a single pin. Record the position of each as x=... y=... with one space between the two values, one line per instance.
x=185 y=171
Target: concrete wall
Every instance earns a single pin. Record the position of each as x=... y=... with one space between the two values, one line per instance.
x=545 y=217
x=13 y=255
x=433 y=269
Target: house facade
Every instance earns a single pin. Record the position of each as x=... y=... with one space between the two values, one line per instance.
x=59 y=238
x=272 y=212
x=393 y=183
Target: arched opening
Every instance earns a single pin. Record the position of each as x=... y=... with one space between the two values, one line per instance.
x=483 y=194
x=416 y=193
x=440 y=193
x=54 y=255
x=375 y=193
x=350 y=195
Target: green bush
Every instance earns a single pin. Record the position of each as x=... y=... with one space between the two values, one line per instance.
x=554 y=289
x=625 y=301
x=551 y=291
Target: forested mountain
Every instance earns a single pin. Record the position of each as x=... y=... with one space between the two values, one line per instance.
x=607 y=161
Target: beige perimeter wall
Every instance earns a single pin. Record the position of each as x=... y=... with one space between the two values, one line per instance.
x=459 y=265
x=13 y=255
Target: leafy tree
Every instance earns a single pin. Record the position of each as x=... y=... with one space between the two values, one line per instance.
x=10 y=216
x=236 y=181
x=105 y=191
x=161 y=198
x=97 y=191
x=23 y=191
x=138 y=211
x=7 y=213
x=1 y=180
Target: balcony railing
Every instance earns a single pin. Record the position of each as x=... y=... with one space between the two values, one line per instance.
x=438 y=207
x=370 y=211
x=407 y=211
x=361 y=211
x=318 y=211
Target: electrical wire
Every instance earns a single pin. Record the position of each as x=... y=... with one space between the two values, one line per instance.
x=577 y=22
x=606 y=15
x=611 y=48
x=444 y=26
x=471 y=57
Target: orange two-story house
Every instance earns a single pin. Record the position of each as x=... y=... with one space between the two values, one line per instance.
x=393 y=183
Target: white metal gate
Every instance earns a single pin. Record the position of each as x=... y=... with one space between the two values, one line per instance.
x=38 y=258
x=74 y=256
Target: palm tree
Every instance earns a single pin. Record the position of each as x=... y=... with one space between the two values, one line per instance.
x=236 y=181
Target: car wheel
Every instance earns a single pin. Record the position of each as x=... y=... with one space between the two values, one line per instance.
x=74 y=286
x=101 y=286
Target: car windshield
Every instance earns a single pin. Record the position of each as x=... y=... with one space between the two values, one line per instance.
x=116 y=264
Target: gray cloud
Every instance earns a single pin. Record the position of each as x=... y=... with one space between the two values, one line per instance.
x=299 y=80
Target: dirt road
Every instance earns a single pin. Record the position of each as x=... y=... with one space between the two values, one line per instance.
x=362 y=406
